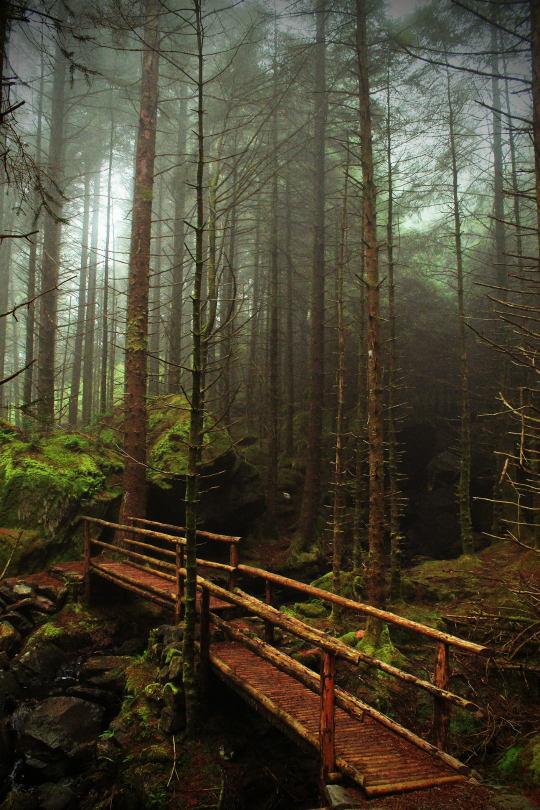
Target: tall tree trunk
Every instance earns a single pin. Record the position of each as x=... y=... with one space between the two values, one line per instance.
x=312 y=484
x=7 y=222
x=52 y=232
x=288 y=439
x=81 y=309
x=253 y=374
x=394 y=493
x=135 y=417
x=360 y=488
x=377 y=593
x=30 y=337
x=105 y=308
x=196 y=413
x=502 y=443
x=175 y=327
x=155 y=297
x=464 y=488
x=338 y=472
x=90 y=319
x=273 y=304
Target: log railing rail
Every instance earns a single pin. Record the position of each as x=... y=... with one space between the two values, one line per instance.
x=331 y=648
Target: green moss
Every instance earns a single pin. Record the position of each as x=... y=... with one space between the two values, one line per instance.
x=168 y=434
x=349 y=639
x=511 y=763
x=311 y=610
x=352 y=584
x=384 y=651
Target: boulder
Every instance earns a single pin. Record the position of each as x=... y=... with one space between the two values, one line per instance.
x=54 y=797
x=8 y=686
x=19 y=621
x=7 y=747
x=105 y=671
x=38 y=664
x=7 y=594
x=19 y=801
x=100 y=696
x=172 y=721
x=60 y=729
x=10 y=638
x=23 y=590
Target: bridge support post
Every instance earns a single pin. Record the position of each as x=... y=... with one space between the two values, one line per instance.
x=441 y=707
x=327 y=723
x=179 y=608
x=87 y=591
x=204 y=650
x=233 y=576
x=268 y=625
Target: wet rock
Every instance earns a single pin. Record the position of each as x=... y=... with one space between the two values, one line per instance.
x=48 y=591
x=163 y=675
x=8 y=686
x=19 y=621
x=54 y=797
x=132 y=646
x=10 y=638
x=7 y=594
x=106 y=671
x=98 y=664
x=172 y=721
x=4 y=660
x=340 y=799
x=38 y=664
x=19 y=801
x=172 y=633
x=23 y=590
x=94 y=695
x=61 y=597
x=58 y=730
x=174 y=697
x=7 y=748
x=175 y=669
x=170 y=651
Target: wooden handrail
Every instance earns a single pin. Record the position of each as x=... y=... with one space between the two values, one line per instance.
x=360 y=607
x=331 y=648
x=210 y=535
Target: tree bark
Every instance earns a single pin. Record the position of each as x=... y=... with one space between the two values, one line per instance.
x=52 y=232
x=312 y=484
x=175 y=327
x=464 y=488
x=273 y=305
x=90 y=319
x=105 y=299
x=135 y=417
x=394 y=494
x=189 y=674
x=377 y=594
x=81 y=309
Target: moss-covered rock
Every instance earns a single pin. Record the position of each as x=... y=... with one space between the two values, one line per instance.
x=46 y=483
x=311 y=610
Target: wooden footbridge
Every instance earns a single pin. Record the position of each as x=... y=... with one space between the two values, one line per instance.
x=353 y=738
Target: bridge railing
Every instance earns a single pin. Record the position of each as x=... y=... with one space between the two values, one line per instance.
x=331 y=648
x=142 y=561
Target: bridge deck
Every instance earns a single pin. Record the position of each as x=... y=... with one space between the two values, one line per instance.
x=140 y=579
x=389 y=763
x=383 y=761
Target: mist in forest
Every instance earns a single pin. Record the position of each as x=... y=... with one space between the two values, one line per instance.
x=317 y=222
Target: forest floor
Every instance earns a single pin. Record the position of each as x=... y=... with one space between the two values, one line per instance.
x=491 y=598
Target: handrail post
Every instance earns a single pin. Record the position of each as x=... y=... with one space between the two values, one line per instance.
x=441 y=706
x=268 y=625
x=204 y=650
x=233 y=576
x=179 y=609
x=327 y=722
x=87 y=541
